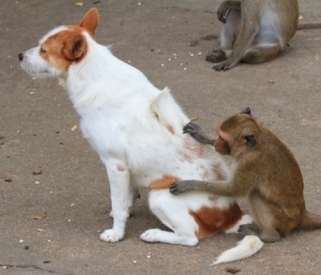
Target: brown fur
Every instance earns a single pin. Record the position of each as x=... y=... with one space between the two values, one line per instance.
x=162 y=183
x=69 y=46
x=266 y=173
x=213 y=220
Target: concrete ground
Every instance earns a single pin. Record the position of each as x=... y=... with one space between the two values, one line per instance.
x=54 y=195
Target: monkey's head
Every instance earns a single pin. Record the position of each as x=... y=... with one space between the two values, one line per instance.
x=238 y=134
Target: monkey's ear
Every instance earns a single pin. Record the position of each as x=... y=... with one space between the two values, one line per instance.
x=250 y=140
x=247 y=111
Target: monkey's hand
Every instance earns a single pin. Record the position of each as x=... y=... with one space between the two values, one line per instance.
x=181 y=187
x=197 y=133
x=225 y=8
x=224 y=66
x=222 y=12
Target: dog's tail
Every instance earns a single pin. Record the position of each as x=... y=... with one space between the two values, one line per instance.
x=168 y=112
x=245 y=248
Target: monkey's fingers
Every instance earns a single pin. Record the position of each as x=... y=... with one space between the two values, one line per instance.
x=223 y=66
x=173 y=189
x=190 y=128
x=222 y=13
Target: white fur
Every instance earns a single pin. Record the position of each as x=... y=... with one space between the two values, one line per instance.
x=137 y=131
x=36 y=66
x=245 y=248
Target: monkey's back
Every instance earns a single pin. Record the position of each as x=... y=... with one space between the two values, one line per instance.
x=280 y=19
x=282 y=183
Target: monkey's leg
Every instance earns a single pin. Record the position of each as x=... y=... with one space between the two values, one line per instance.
x=264 y=220
x=261 y=53
x=229 y=33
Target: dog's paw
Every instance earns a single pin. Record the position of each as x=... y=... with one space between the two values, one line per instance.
x=111 y=236
x=151 y=235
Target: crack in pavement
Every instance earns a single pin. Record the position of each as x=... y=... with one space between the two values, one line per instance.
x=7 y=266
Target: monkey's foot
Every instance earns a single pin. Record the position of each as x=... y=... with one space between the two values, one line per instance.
x=216 y=55
x=253 y=229
x=249 y=229
x=180 y=187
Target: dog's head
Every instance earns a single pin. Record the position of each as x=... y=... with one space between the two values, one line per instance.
x=59 y=48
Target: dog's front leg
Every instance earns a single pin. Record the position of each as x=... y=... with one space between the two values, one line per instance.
x=119 y=178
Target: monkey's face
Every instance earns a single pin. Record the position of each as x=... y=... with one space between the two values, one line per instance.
x=227 y=144
x=237 y=135
x=221 y=144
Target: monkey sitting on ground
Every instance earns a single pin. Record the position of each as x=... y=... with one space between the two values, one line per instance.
x=263 y=170
x=255 y=31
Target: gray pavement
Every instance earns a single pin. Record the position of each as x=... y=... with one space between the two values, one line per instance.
x=45 y=167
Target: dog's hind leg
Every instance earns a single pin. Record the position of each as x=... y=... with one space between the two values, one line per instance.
x=175 y=215
x=121 y=199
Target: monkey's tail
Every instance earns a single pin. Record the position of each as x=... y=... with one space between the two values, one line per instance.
x=307 y=26
x=245 y=248
x=310 y=221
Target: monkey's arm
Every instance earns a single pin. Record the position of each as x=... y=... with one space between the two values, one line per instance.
x=222 y=188
x=197 y=133
x=225 y=8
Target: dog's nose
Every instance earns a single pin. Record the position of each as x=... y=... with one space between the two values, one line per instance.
x=20 y=56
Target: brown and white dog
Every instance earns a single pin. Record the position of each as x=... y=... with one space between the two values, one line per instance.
x=137 y=131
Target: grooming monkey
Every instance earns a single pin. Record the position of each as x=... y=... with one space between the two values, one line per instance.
x=263 y=170
x=255 y=31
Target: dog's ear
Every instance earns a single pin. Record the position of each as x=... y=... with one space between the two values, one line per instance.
x=75 y=47
x=90 y=21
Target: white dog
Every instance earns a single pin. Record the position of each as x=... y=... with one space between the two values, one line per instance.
x=137 y=131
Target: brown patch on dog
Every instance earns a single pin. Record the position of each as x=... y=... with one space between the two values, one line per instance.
x=64 y=47
x=213 y=220
x=162 y=183
x=120 y=168
x=170 y=129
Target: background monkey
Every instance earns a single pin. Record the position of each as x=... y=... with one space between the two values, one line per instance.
x=255 y=31
x=264 y=170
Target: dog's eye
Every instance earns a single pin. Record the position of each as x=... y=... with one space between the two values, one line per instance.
x=42 y=50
